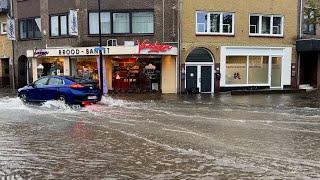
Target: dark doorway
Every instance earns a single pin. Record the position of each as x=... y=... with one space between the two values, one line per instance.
x=308 y=69
x=5 y=75
x=22 y=71
x=206 y=78
x=192 y=79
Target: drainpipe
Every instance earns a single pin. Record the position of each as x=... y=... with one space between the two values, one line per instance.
x=13 y=50
x=163 y=3
x=301 y=19
x=180 y=15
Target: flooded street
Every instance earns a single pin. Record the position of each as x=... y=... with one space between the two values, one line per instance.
x=166 y=137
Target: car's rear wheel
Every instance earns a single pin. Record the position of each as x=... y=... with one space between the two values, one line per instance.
x=23 y=98
x=62 y=99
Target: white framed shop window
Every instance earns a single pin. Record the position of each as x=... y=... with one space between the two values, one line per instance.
x=3 y=28
x=266 y=25
x=214 y=23
x=253 y=66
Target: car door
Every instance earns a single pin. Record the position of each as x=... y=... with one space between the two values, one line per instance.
x=36 y=93
x=51 y=92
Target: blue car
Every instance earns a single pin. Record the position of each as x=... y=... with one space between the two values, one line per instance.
x=71 y=90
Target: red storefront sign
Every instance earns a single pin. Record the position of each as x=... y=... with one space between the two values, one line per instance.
x=153 y=48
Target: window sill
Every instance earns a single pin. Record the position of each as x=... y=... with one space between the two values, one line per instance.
x=215 y=34
x=266 y=35
x=62 y=37
x=121 y=34
x=30 y=39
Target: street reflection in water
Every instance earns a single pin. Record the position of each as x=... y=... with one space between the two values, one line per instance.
x=163 y=137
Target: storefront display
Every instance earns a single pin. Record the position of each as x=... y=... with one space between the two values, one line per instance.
x=87 y=68
x=51 y=66
x=134 y=74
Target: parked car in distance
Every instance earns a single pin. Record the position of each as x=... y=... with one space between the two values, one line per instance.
x=71 y=90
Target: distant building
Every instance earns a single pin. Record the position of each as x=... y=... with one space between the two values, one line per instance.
x=5 y=47
x=308 y=48
x=246 y=44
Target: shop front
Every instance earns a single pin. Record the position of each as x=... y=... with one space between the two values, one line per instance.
x=255 y=67
x=142 y=68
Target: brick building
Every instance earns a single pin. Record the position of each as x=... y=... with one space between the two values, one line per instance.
x=308 y=48
x=45 y=40
x=229 y=44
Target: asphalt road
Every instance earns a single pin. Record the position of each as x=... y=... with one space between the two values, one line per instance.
x=163 y=137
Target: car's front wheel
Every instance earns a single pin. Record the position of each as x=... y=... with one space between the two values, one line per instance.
x=23 y=98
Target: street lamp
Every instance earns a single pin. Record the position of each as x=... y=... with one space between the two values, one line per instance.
x=100 y=51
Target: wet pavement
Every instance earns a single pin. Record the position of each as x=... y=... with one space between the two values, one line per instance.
x=163 y=137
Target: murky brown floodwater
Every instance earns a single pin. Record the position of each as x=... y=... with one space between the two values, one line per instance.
x=167 y=137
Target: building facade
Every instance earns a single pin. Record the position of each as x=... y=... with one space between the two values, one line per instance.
x=229 y=44
x=308 y=48
x=139 y=42
x=5 y=47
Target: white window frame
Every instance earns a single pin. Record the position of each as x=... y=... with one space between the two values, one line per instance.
x=220 y=25
x=2 y=28
x=271 y=25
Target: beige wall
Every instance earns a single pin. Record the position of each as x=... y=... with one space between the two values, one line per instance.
x=109 y=68
x=242 y=9
x=5 y=44
x=169 y=79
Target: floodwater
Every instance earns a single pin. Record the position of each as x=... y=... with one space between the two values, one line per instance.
x=163 y=137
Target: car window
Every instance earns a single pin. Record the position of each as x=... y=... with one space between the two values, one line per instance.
x=41 y=82
x=55 y=81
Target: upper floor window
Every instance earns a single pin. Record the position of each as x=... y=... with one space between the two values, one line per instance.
x=94 y=21
x=215 y=23
x=30 y=28
x=3 y=28
x=308 y=26
x=122 y=22
x=142 y=22
x=266 y=25
x=59 y=25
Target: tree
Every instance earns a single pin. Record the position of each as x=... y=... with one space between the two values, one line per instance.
x=312 y=12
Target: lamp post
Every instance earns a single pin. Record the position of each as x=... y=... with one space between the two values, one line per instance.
x=100 y=51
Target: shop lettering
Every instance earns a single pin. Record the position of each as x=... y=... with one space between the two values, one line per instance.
x=40 y=52
x=69 y=52
x=153 y=48
x=91 y=51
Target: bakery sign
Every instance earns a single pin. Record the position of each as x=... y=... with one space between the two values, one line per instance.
x=81 y=51
x=153 y=47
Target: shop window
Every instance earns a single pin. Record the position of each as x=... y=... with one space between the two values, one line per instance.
x=121 y=23
x=59 y=25
x=142 y=22
x=236 y=70
x=258 y=69
x=85 y=68
x=30 y=28
x=94 y=20
x=136 y=75
x=218 y=23
x=266 y=25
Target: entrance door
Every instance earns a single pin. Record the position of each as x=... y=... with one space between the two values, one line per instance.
x=192 y=78
x=206 y=79
x=276 y=72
